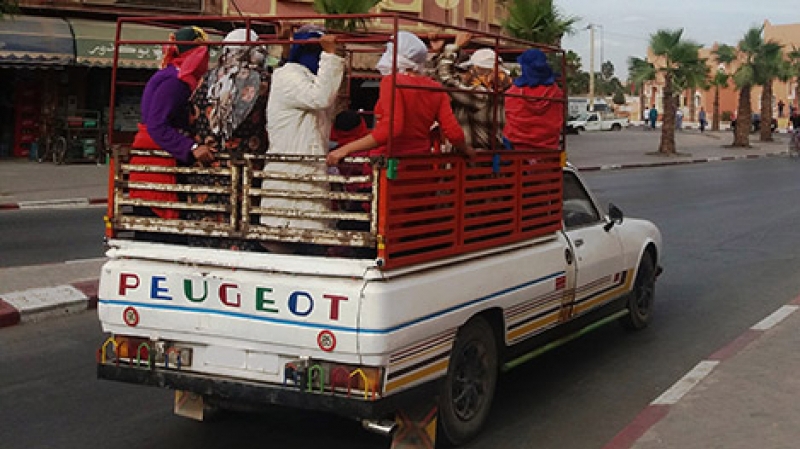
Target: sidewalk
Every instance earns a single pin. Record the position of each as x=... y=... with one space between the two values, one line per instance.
x=742 y=396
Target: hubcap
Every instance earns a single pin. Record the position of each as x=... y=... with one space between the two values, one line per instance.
x=470 y=381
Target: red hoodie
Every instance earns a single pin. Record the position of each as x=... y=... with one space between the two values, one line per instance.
x=534 y=122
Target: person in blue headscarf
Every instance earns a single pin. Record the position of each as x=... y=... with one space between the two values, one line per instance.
x=534 y=105
x=299 y=116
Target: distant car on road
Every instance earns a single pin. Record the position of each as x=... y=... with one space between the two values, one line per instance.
x=755 y=123
x=595 y=121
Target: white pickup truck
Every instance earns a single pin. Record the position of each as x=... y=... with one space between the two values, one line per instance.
x=457 y=271
x=595 y=121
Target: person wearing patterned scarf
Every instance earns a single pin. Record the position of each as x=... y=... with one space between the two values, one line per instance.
x=229 y=108
x=477 y=106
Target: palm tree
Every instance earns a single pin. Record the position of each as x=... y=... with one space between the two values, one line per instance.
x=724 y=55
x=770 y=65
x=794 y=66
x=577 y=79
x=639 y=72
x=745 y=77
x=695 y=76
x=679 y=63
x=345 y=7
x=538 y=21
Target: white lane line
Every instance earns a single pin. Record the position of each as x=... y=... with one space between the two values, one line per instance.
x=57 y=204
x=78 y=261
x=681 y=387
x=776 y=317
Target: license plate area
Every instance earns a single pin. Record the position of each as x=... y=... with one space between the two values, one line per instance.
x=172 y=356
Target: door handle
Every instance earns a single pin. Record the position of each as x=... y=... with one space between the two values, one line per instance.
x=578 y=242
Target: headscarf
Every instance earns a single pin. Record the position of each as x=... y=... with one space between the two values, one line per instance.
x=306 y=55
x=190 y=60
x=535 y=69
x=233 y=86
x=411 y=54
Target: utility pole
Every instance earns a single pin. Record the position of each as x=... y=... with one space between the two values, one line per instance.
x=591 y=67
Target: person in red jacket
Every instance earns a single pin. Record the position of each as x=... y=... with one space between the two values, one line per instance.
x=415 y=110
x=534 y=105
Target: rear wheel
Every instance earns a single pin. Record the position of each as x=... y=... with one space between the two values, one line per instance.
x=616 y=127
x=467 y=392
x=641 y=298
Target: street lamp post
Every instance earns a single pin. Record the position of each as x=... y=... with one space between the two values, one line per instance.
x=591 y=67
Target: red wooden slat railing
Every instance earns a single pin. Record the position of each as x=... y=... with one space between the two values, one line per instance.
x=433 y=208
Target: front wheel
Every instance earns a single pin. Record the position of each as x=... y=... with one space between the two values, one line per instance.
x=641 y=298
x=467 y=392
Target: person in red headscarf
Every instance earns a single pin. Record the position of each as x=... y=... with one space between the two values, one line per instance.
x=165 y=118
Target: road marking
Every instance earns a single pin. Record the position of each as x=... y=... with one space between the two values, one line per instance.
x=776 y=317
x=681 y=387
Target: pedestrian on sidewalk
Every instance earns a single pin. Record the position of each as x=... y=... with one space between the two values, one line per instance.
x=781 y=105
x=702 y=118
x=653 y=116
x=679 y=119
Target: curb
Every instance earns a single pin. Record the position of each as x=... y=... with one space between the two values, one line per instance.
x=677 y=162
x=40 y=303
x=660 y=407
x=54 y=204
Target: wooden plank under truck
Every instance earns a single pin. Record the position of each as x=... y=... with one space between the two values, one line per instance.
x=462 y=270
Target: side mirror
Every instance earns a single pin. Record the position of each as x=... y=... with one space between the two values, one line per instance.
x=615 y=216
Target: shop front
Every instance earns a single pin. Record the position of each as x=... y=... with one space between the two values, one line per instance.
x=55 y=71
x=34 y=55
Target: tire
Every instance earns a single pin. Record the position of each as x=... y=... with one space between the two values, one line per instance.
x=580 y=129
x=466 y=394
x=641 y=298
x=59 y=150
x=616 y=127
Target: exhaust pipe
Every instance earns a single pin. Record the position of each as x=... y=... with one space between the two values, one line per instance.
x=384 y=427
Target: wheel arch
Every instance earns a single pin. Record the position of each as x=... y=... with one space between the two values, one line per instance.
x=651 y=250
x=495 y=318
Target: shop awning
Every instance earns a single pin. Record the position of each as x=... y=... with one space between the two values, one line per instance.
x=94 y=44
x=35 y=41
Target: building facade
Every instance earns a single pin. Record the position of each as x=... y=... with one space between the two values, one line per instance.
x=786 y=93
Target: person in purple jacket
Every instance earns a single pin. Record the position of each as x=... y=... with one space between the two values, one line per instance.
x=165 y=117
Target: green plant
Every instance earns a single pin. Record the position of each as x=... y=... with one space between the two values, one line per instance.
x=332 y=7
x=727 y=116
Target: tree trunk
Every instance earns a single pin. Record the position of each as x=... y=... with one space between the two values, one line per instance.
x=715 y=121
x=766 y=113
x=667 y=145
x=641 y=105
x=741 y=138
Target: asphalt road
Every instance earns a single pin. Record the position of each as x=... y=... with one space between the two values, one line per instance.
x=39 y=236
x=731 y=257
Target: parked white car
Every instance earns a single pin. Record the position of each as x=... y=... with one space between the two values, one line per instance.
x=594 y=121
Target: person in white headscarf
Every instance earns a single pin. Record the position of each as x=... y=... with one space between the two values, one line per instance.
x=416 y=110
x=299 y=115
x=229 y=116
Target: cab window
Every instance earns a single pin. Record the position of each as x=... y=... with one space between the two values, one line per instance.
x=578 y=208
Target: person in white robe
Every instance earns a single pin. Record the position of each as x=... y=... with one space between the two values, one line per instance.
x=299 y=115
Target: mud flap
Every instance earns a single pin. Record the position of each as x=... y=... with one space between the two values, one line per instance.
x=416 y=427
x=189 y=405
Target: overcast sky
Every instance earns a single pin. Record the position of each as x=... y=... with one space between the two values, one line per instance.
x=624 y=26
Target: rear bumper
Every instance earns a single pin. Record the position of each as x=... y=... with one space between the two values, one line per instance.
x=232 y=392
